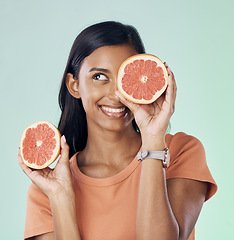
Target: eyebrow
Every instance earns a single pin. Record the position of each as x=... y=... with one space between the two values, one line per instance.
x=99 y=70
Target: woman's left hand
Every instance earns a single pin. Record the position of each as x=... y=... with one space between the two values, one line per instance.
x=52 y=181
x=153 y=119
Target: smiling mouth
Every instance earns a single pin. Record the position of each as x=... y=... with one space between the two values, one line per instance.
x=115 y=112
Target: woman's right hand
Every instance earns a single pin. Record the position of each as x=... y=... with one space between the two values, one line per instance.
x=52 y=181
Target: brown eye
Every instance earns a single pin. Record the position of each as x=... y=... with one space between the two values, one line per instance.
x=100 y=77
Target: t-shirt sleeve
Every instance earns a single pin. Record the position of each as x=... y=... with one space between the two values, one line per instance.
x=38 y=214
x=188 y=160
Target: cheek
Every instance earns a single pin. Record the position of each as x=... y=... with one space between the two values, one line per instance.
x=90 y=95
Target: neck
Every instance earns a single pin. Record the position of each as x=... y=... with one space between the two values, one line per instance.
x=122 y=145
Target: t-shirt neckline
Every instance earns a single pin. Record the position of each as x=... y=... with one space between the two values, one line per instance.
x=102 y=182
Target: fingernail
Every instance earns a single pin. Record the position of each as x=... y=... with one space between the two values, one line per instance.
x=63 y=138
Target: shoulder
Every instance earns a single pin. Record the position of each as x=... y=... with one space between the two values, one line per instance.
x=188 y=160
x=38 y=214
x=180 y=139
x=186 y=153
x=182 y=143
x=35 y=197
x=33 y=190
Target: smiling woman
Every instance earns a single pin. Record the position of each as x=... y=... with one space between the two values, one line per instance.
x=90 y=39
x=103 y=192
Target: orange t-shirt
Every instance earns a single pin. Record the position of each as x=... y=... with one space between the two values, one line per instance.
x=106 y=208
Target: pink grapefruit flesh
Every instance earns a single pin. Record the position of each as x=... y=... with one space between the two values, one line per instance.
x=40 y=144
x=142 y=78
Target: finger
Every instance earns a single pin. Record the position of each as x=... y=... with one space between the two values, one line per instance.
x=169 y=97
x=169 y=71
x=64 y=158
x=132 y=106
x=171 y=82
x=169 y=93
x=171 y=75
x=174 y=87
x=26 y=169
x=159 y=102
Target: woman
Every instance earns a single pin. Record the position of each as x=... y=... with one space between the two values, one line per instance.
x=103 y=191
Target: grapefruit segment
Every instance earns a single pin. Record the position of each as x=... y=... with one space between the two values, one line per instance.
x=142 y=78
x=40 y=144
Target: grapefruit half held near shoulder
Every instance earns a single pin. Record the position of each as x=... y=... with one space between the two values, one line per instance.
x=40 y=144
x=142 y=78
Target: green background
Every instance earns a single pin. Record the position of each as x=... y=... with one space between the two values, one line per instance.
x=195 y=38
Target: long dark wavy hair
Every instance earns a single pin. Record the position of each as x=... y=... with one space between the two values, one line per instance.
x=73 y=123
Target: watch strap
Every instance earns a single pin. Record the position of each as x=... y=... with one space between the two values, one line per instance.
x=164 y=156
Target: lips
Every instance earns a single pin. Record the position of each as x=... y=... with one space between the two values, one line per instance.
x=115 y=112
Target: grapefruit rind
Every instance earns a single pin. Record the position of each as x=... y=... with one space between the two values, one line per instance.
x=144 y=57
x=56 y=151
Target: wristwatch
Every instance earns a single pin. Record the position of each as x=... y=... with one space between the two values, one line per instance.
x=164 y=156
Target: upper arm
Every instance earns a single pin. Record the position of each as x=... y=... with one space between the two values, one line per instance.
x=186 y=198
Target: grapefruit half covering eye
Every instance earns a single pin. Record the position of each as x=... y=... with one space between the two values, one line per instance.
x=40 y=144
x=142 y=78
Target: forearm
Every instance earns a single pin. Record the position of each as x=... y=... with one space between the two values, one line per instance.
x=155 y=219
x=64 y=216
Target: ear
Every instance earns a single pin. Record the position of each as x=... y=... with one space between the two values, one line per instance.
x=72 y=85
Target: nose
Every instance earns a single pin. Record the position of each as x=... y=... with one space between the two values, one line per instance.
x=111 y=90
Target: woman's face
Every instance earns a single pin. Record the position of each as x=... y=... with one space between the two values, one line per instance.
x=97 y=85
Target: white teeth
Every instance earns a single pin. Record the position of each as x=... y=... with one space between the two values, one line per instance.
x=113 y=110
